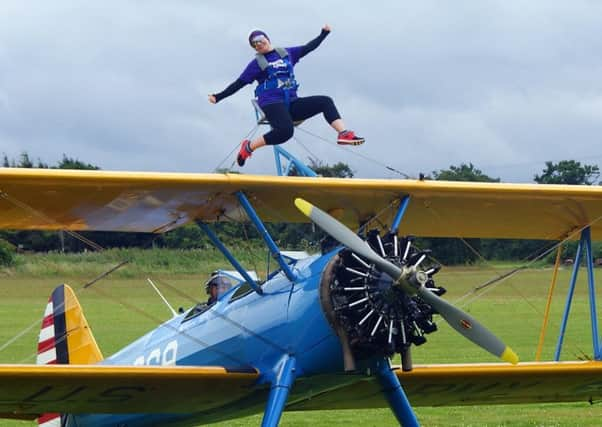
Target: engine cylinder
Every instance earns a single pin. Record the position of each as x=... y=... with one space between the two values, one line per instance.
x=367 y=309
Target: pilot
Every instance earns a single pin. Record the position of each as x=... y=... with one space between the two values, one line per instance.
x=217 y=285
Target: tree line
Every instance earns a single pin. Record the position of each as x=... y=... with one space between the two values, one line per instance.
x=301 y=236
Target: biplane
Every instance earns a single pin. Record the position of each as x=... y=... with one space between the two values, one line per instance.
x=318 y=332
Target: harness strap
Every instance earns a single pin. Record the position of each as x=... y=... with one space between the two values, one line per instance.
x=281 y=51
x=273 y=81
x=263 y=62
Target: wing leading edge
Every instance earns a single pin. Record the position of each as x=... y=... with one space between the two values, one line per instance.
x=157 y=202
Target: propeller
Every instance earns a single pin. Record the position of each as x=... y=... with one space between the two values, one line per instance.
x=412 y=282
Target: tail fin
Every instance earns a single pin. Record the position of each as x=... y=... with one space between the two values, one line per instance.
x=65 y=338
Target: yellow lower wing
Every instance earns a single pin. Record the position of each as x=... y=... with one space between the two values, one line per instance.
x=474 y=384
x=30 y=390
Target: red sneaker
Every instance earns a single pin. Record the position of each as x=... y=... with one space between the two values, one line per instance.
x=244 y=153
x=348 y=137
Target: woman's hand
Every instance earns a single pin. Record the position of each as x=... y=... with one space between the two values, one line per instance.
x=212 y=99
x=326 y=28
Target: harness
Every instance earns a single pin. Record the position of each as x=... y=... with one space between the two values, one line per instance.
x=280 y=74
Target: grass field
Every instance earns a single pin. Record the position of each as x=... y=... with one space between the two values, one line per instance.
x=513 y=309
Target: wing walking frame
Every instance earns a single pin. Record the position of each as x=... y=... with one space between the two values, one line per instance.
x=280 y=154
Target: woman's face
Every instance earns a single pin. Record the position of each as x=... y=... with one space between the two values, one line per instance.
x=262 y=45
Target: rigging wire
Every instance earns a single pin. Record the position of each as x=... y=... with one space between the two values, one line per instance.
x=174 y=328
x=358 y=154
x=313 y=157
x=252 y=132
x=38 y=322
x=253 y=257
x=24 y=206
x=248 y=245
x=363 y=156
x=483 y=289
x=535 y=259
x=105 y=274
x=249 y=134
x=226 y=318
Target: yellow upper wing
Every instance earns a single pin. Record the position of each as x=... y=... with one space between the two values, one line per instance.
x=156 y=202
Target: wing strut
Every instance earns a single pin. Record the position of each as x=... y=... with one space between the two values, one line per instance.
x=403 y=205
x=244 y=202
x=224 y=250
x=585 y=245
x=406 y=354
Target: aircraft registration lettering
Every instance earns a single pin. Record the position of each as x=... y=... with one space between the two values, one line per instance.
x=158 y=356
x=117 y=394
x=45 y=394
x=58 y=394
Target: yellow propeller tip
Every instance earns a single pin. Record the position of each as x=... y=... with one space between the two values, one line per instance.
x=303 y=206
x=509 y=356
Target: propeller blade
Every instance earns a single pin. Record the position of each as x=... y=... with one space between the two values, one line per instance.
x=347 y=237
x=468 y=326
x=461 y=321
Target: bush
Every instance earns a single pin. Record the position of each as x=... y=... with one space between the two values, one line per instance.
x=7 y=254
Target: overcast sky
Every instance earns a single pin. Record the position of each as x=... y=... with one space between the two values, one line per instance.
x=505 y=85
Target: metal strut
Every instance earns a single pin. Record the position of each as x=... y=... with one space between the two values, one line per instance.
x=285 y=376
x=300 y=167
x=403 y=205
x=279 y=152
x=244 y=202
x=585 y=244
x=406 y=355
x=396 y=397
x=224 y=250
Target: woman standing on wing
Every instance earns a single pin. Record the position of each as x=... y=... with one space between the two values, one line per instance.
x=276 y=94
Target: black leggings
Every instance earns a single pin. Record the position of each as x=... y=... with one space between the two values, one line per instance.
x=281 y=119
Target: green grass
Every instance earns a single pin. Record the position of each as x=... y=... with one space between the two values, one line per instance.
x=140 y=262
x=513 y=309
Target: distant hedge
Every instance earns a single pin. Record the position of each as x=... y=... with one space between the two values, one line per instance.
x=7 y=254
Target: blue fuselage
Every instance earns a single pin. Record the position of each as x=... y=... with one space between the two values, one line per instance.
x=242 y=330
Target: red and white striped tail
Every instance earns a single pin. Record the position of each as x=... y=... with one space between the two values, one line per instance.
x=49 y=420
x=46 y=341
x=47 y=356
x=65 y=337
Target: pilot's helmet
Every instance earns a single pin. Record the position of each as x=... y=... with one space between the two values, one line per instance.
x=222 y=282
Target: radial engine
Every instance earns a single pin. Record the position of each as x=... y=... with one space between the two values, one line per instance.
x=370 y=313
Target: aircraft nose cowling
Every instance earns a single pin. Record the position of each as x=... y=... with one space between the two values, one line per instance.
x=372 y=314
